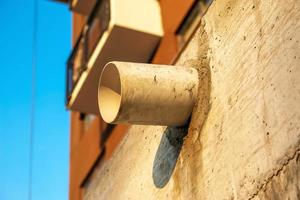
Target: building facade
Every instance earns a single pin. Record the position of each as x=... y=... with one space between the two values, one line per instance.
x=92 y=140
x=243 y=138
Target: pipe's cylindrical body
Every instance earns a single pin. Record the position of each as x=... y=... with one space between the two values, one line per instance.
x=149 y=94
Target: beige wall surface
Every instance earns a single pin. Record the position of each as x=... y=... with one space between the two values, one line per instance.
x=244 y=138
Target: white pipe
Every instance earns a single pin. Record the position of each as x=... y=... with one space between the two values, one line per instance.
x=148 y=94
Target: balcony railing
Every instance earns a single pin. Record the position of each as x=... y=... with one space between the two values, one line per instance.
x=96 y=25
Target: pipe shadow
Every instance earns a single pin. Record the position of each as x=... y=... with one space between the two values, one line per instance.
x=167 y=154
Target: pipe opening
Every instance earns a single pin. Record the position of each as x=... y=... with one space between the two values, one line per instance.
x=109 y=93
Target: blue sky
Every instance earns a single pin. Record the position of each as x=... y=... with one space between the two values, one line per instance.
x=51 y=128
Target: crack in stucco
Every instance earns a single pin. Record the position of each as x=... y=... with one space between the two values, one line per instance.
x=276 y=172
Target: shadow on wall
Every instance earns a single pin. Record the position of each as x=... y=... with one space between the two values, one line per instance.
x=167 y=154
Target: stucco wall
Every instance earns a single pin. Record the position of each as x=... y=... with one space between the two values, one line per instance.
x=244 y=138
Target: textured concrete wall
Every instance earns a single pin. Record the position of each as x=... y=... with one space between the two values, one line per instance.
x=244 y=138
